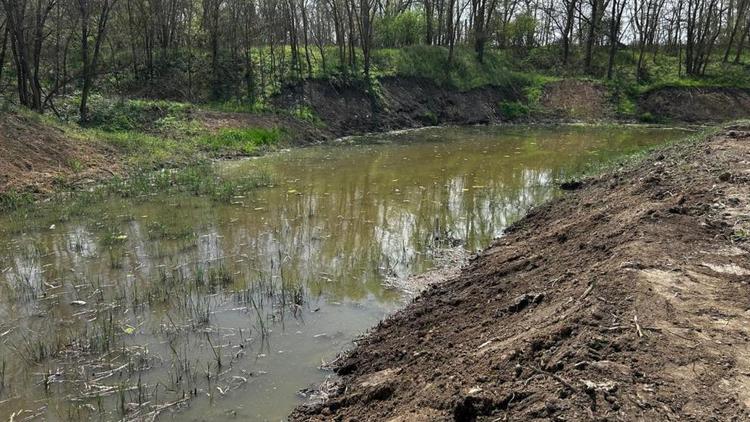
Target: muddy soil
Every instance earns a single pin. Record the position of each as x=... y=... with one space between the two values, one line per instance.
x=36 y=157
x=697 y=105
x=404 y=103
x=625 y=299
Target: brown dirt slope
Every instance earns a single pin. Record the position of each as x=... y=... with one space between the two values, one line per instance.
x=624 y=300
x=576 y=99
x=347 y=109
x=697 y=104
x=34 y=155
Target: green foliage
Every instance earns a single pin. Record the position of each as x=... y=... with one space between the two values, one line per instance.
x=430 y=118
x=246 y=140
x=535 y=88
x=199 y=179
x=626 y=105
x=114 y=115
x=740 y=235
x=514 y=109
x=305 y=113
x=400 y=29
x=113 y=236
x=464 y=72
x=239 y=106
x=75 y=165
x=520 y=33
x=159 y=230
x=12 y=200
x=647 y=117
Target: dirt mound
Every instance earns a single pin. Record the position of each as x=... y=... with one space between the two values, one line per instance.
x=35 y=156
x=348 y=109
x=577 y=100
x=625 y=299
x=697 y=104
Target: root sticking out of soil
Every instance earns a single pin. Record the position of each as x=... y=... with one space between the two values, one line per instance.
x=626 y=299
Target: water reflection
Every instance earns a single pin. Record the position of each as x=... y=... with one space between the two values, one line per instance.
x=156 y=303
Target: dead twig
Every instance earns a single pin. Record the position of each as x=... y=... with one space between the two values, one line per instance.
x=556 y=377
x=637 y=326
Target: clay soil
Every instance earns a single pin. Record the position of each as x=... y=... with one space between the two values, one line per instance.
x=625 y=299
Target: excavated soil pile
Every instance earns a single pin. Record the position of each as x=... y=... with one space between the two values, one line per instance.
x=697 y=104
x=578 y=100
x=626 y=299
x=35 y=156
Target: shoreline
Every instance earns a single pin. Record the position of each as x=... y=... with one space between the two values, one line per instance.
x=67 y=157
x=545 y=323
x=103 y=179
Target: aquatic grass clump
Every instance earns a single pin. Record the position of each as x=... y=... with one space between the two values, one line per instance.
x=245 y=140
x=159 y=230
x=199 y=180
x=12 y=200
x=113 y=237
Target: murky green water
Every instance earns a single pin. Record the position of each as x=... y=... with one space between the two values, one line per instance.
x=226 y=311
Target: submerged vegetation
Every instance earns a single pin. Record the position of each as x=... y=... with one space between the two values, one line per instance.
x=139 y=276
x=140 y=297
x=199 y=179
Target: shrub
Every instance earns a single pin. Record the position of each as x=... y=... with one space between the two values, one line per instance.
x=514 y=109
x=647 y=117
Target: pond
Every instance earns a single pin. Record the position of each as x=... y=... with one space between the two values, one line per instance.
x=182 y=307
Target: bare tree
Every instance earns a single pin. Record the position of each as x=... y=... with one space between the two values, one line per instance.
x=89 y=57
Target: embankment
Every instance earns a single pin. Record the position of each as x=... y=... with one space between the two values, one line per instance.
x=626 y=299
x=697 y=105
x=400 y=103
x=36 y=157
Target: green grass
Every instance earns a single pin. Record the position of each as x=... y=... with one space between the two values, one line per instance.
x=247 y=141
x=239 y=106
x=463 y=73
x=198 y=179
x=13 y=200
x=114 y=115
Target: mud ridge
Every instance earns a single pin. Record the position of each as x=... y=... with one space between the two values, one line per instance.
x=696 y=105
x=625 y=299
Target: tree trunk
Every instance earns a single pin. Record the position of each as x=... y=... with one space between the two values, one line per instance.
x=592 y=34
x=3 y=50
x=569 y=21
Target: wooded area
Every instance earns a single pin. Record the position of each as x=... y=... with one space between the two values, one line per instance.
x=202 y=50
